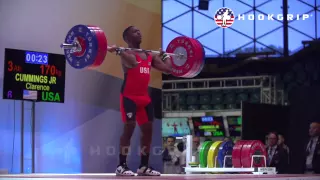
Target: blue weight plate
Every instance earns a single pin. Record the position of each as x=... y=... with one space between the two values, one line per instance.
x=225 y=149
x=90 y=44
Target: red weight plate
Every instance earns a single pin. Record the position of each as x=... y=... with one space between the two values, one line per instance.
x=191 y=73
x=203 y=60
x=200 y=62
x=236 y=153
x=182 y=44
x=94 y=29
x=102 y=46
x=199 y=57
x=251 y=148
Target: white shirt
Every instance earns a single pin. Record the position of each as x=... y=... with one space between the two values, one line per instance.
x=311 y=148
x=170 y=167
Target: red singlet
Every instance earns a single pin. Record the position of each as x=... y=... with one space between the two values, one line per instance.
x=135 y=103
x=136 y=80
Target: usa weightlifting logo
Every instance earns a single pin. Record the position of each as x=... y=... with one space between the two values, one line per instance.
x=225 y=17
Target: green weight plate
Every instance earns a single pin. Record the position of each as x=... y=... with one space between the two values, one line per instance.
x=201 y=152
x=204 y=153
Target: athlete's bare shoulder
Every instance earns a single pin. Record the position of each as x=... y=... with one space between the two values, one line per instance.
x=127 y=59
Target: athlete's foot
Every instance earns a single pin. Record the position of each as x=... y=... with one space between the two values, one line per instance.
x=147 y=171
x=123 y=170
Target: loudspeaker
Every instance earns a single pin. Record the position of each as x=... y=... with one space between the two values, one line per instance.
x=203 y=4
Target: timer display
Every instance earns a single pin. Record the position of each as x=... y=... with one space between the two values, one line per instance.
x=207 y=119
x=34 y=76
x=36 y=58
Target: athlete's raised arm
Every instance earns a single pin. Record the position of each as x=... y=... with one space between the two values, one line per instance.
x=162 y=62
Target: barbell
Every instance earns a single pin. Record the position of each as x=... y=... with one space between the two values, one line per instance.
x=86 y=46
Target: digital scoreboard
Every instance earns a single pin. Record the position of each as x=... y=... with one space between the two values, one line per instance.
x=34 y=76
x=235 y=125
x=209 y=126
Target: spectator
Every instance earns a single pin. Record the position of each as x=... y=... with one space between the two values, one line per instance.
x=171 y=156
x=195 y=151
x=195 y=147
x=312 y=157
x=277 y=156
x=180 y=146
x=182 y=163
x=281 y=143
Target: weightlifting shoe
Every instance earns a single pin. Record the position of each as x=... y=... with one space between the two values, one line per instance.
x=123 y=170
x=147 y=171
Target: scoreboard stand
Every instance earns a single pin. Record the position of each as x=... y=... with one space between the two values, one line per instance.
x=34 y=77
x=33 y=120
x=253 y=170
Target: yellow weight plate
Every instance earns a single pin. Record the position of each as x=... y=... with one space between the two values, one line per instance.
x=213 y=152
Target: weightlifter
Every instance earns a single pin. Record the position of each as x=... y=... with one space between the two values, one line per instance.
x=135 y=102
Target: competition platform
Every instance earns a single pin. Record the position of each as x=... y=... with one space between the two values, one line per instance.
x=218 y=160
x=166 y=176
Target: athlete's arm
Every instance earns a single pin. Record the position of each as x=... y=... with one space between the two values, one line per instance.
x=162 y=63
x=128 y=59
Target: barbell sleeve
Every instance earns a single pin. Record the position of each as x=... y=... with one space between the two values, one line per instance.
x=69 y=46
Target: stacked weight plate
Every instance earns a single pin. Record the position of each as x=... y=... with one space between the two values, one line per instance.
x=250 y=149
x=204 y=153
x=242 y=154
x=212 y=154
x=225 y=151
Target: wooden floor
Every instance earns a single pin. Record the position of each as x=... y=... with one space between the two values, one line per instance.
x=166 y=176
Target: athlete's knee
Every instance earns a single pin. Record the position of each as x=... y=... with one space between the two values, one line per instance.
x=146 y=129
x=128 y=128
x=126 y=137
x=130 y=124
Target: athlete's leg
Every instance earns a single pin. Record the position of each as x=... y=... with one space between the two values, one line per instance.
x=145 y=142
x=128 y=111
x=125 y=139
x=145 y=119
